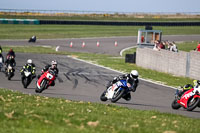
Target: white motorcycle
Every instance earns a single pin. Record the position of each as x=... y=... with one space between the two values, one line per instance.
x=115 y=91
x=26 y=77
x=1 y=63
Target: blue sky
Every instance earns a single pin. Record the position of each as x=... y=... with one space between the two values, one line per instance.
x=106 y=5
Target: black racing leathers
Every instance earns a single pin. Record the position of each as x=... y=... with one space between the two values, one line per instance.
x=132 y=81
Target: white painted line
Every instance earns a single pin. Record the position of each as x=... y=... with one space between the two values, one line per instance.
x=147 y=80
x=121 y=52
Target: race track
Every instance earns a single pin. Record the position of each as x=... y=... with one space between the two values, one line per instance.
x=83 y=81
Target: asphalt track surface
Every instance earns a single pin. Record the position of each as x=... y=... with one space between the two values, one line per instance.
x=83 y=81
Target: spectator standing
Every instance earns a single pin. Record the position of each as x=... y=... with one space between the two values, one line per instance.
x=161 y=45
x=173 y=47
x=156 y=46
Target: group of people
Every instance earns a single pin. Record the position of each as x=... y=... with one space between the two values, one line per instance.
x=167 y=45
x=10 y=60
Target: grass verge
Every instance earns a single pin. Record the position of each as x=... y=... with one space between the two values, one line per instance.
x=31 y=113
x=11 y=31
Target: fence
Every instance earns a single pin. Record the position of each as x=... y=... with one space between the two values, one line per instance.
x=184 y=64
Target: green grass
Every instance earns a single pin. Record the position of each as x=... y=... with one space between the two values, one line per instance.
x=27 y=113
x=187 y=46
x=11 y=31
x=31 y=113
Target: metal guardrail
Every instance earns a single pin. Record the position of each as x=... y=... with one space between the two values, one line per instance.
x=120 y=23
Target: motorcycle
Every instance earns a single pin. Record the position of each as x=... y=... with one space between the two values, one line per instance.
x=188 y=100
x=115 y=91
x=45 y=81
x=10 y=72
x=26 y=77
x=1 y=63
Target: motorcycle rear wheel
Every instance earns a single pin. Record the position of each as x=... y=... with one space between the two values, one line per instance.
x=193 y=105
x=175 y=105
x=117 y=96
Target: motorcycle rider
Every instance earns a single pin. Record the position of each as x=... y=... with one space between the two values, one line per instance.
x=26 y=66
x=10 y=53
x=182 y=90
x=53 y=67
x=132 y=82
x=1 y=56
x=10 y=61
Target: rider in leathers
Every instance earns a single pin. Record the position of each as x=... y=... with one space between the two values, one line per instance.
x=132 y=82
x=10 y=61
x=32 y=68
x=53 y=67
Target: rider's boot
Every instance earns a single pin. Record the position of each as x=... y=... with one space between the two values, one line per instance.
x=127 y=97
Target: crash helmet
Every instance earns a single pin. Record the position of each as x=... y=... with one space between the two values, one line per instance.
x=54 y=64
x=187 y=87
x=134 y=74
x=11 y=50
x=198 y=82
x=29 y=61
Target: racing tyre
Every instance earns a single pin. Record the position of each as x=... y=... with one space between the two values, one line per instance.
x=175 y=105
x=192 y=103
x=102 y=97
x=25 y=83
x=117 y=95
x=43 y=85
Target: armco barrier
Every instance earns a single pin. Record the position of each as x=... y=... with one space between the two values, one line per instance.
x=120 y=23
x=19 y=21
x=184 y=64
x=59 y=22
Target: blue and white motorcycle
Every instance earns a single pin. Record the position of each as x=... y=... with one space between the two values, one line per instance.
x=115 y=91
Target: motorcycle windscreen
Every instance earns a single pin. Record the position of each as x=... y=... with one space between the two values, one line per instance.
x=184 y=99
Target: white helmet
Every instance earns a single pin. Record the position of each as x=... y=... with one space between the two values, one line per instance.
x=54 y=62
x=134 y=74
x=29 y=61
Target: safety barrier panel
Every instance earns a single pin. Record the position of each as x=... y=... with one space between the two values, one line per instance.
x=121 y=23
x=180 y=63
x=19 y=21
x=60 y=22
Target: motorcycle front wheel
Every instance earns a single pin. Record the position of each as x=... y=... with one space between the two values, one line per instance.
x=175 y=105
x=192 y=103
x=117 y=95
x=102 y=97
x=42 y=86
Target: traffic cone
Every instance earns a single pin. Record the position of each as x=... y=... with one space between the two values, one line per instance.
x=83 y=44
x=71 y=44
x=98 y=43
x=115 y=43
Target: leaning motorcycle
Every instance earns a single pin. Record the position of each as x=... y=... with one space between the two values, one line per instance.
x=188 y=100
x=1 y=63
x=45 y=81
x=26 y=77
x=10 y=72
x=115 y=91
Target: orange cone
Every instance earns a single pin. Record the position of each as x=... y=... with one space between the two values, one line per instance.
x=83 y=44
x=98 y=43
x=71 y=44
x=115 y=43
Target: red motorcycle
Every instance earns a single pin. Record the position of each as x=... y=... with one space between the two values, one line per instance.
x=188 y=100
x=45 y=81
